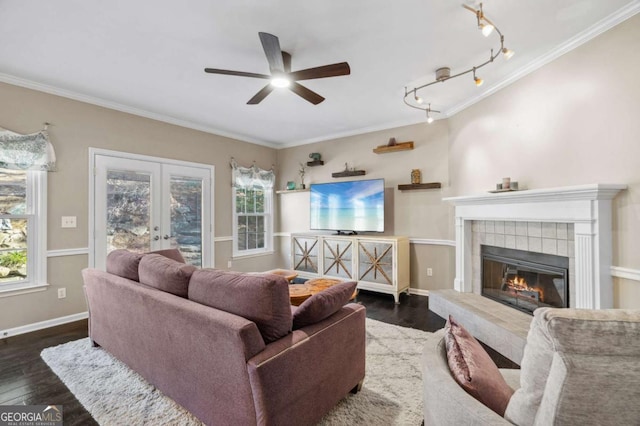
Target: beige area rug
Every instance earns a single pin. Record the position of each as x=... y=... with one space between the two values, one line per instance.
x=111 y=392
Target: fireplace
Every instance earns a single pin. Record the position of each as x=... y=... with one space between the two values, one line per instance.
x=524 y=280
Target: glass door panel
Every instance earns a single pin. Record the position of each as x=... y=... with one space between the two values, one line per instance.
x=186 y=218
x=186 y=212
x=128 y=211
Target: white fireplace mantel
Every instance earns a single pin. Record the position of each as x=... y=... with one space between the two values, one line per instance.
x=588 y=207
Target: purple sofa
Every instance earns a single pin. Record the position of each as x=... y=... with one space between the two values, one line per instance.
x=221 y=343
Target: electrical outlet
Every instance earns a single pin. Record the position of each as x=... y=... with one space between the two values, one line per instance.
x=229 y=264
x=68 y=222
x=62 y=293
x=429 y=272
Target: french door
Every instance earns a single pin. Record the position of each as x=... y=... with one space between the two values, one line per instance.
x=144 y=204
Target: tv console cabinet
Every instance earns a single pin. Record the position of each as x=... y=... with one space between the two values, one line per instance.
x=377 y=263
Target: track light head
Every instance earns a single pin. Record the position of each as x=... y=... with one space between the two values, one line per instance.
x=487 y=29
x=507 y=53
x=417 y=98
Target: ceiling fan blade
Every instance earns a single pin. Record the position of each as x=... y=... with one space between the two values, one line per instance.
x=333 y=70
x=238 y=73
x=305 y=93
x=258 y=97
x=272 y=50
x=286 y=59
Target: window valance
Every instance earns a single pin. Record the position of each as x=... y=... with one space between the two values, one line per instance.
x=26 y=152
x=251 y=176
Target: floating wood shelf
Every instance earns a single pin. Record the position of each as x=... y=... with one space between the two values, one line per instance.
x=412 y=186
x=287 y=191
x=315 y=163
x=400 y=146
x=348 y=173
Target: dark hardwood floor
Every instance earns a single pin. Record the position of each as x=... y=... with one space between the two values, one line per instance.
x=26 y=379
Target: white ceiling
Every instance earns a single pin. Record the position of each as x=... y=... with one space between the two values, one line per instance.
x=147 y=57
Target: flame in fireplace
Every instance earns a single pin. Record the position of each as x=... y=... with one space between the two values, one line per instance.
x=519 y=284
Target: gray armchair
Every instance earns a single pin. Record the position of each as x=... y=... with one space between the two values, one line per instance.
x=579 y=367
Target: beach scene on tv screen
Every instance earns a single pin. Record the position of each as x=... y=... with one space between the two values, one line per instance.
x=348 y=206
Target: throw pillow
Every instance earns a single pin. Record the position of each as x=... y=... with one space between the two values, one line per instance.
x=261 y=298
x=323 y=304
x=171 y=254
x=165 y=274
x=124 y=263
x=473 y=368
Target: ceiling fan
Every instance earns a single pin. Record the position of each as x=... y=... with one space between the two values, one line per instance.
x=281 y=74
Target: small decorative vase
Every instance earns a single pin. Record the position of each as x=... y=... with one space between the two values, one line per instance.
x=416 y=176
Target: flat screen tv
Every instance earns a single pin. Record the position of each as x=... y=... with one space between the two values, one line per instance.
x=348 y=207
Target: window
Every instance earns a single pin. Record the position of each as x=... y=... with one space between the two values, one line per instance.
x=22 y=229
x=253 y=211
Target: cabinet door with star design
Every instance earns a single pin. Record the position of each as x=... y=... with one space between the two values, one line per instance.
x=375 y=262
x=305 y=254
x=338 y=257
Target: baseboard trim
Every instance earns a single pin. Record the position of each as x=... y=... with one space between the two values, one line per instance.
x=419 y=292
x=42 y=325
x=626 y=273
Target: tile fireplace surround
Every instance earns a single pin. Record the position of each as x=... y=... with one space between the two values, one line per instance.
x=568 y=221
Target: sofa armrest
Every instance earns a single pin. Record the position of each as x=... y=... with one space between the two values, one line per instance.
x=300 y=377
x=445 y=402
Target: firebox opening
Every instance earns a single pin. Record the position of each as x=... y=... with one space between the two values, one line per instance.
x=525 y=280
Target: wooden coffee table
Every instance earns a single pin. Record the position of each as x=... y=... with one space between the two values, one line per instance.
x=298 y=293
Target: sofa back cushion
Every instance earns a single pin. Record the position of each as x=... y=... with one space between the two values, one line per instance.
x=124 y=263
x=588 y=369
x=473 y=368
x=165 y=274
x=323 y=304
x=261 y=298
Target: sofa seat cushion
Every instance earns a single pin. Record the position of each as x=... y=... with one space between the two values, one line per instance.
x=165 y=274
x=261 y=298
x=473 y=368
x=124 y=263
x=323 y=304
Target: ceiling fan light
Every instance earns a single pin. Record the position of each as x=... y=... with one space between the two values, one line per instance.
x=280 y=82
x=507 y=53
x=487 y=29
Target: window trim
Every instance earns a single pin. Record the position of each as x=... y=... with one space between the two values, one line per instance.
x=268 y=224
x=36 y=237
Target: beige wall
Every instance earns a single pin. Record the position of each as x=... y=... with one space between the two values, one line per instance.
x=417 y=214
x=574 y=121
x=76 y=126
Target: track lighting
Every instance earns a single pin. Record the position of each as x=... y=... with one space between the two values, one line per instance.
x=444 y=73
x=477 y=80
x=487 y=29
x=417 y=98
x=429 y=117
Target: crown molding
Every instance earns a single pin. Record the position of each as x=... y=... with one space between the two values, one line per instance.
x=93 y=100
x=578 y=40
